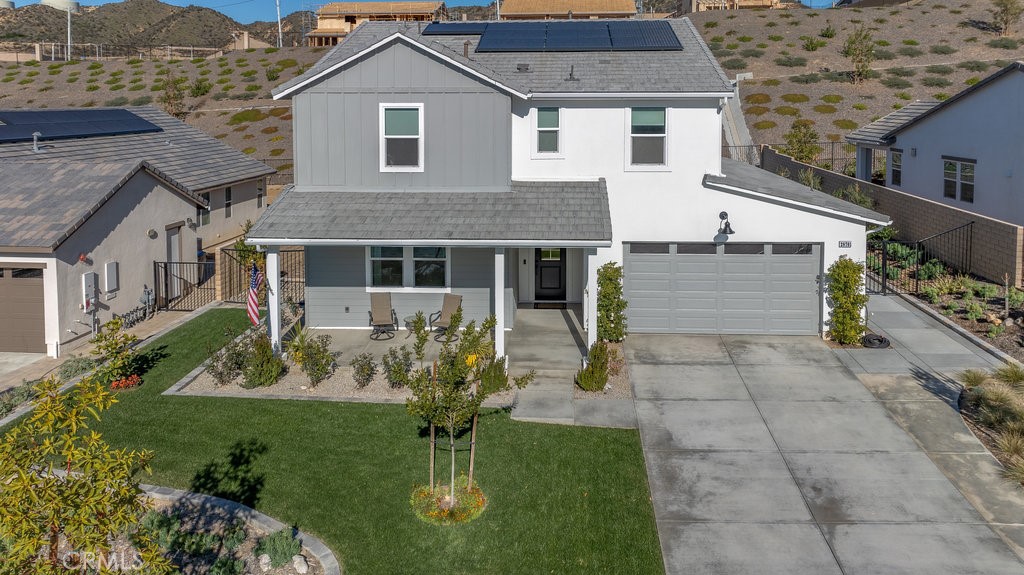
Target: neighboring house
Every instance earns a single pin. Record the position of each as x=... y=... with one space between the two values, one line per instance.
x=705 y=5
x=565 y=9
x=334 y=21
x=963 y=152
x=92 y=201
x=509 y=167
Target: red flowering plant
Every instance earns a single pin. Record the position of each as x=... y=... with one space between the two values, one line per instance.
x=127 y=382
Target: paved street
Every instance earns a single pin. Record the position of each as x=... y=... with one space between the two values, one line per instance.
x=768 y=455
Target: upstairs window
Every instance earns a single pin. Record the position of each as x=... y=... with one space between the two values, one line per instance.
x=547 y=130
x=401 y=142
x=227 y=202
x=203 y=213
x=260 y=192
x=896 y=168
x=647 y=136
x=958 y=179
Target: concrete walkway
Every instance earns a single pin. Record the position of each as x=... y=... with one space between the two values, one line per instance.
x=767 y=455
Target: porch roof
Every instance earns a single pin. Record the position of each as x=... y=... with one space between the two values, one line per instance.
x=556 y=213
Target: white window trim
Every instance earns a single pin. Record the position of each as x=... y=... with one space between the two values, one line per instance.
x=892 y=155
x=409 y=273
x=228 y=202
x=535 y=153
x=382 y=144
x=628 y=151
x=959 y=180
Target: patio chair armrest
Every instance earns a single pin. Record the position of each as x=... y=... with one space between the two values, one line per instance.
x=433 y=317
x=394 y=317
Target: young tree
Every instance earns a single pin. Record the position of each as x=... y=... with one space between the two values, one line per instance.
x=1006 y=14
x=63 y=487
x=801 y=142
x=860 y=49
x=173 y=98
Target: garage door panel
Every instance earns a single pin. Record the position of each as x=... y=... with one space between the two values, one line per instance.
x=723 y=293
x=21 y=314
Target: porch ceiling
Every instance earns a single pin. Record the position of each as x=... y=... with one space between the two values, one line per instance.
x=563 y=213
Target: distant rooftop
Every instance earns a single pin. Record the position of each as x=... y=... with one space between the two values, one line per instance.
x=379 y=8
x=562 y=8
x=690 y=70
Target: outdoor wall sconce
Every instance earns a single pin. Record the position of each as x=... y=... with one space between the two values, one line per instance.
x=725 y=228
x=151 y=234
x=190 y=224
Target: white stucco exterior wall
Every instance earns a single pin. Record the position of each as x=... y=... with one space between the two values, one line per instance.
x=984 y=126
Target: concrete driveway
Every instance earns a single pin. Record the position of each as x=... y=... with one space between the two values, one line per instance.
x=766 y=455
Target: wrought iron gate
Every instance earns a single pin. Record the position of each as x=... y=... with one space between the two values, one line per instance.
x=909 y=267
x=184 y=286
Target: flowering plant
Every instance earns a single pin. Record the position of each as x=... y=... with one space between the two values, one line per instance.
x=127 y=382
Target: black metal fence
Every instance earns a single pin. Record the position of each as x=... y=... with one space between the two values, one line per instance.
x=835 y=156
x=235 y=275
x=909 y=267
x=184 y=286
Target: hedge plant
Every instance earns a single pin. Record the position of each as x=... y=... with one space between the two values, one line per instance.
x=847 y=299
x=611 y=305
x=594 y=377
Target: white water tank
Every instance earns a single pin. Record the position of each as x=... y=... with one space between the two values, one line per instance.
x=6 y=4
x=61 y=4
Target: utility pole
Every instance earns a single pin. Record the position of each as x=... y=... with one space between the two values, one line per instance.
x=280 y=34
x=67 y=57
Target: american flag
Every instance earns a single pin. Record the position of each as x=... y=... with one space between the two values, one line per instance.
x=253 y=304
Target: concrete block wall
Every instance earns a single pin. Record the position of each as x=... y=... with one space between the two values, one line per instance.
x=997 y=246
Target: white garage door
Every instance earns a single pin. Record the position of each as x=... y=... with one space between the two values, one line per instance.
x=728 y=288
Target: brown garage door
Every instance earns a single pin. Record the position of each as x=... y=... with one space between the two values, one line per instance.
x=21 y=310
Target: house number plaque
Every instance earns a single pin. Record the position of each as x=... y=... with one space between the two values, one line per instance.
x=845 y=244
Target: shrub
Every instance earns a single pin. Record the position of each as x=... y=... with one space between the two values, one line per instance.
x=884 y=55
x=751 y=53
x=115 y=348
x=845 y=283
x=281 y=546
x=973 y=65
x=286 y=63
x=1011 y=374
x=262 y=368
x=973 y=311
x=939 y=69
x=895 y=83
x=764 y=125
x=272 y=73
x=757 y=110
x=811 y=78
x=825 y=109
x=234 y=535
x=882 y=43
x=901 y=72
x=775 y=37
x=829 y=31
x=363 y=369
x=734 y=64
x=831 y=98
x=801 y=143
x=795 y=98
x=611 y=305
x=986 y=291
x=75 y=366
x=163 y=528
x=397 y=364
x=790 y=61
x=935 y=82
x=226 y=565
x=1015 y=297
x=317 y=359
x=594 y=376
x=972 y=80
x=930 y=270
x=200 y=87
x=251 y=115
x=771 y=82
x=787 y=111
x=711 y=24
x=270 y=50
x=812 y=44
x=810 y=179
x=844 y=124
x=995 y=331
x=903 y=95
x=853 y=194
x=911 y=42
x=1003 y=43
x=909 y=51
x=942 y=49
x=931 y=294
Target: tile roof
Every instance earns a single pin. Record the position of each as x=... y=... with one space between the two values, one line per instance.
x=691 y=70
x=578 y=7
x=180 y=154
x=533 y=211
x=745 y=176
x=43 y=203
x=379 y=8
x=881 y=131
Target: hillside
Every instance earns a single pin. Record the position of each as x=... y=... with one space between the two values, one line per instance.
x=138 y=23
x=925 y=51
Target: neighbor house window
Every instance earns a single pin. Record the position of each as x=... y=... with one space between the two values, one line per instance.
x=203 y=213
x=958 y=179
x=260 y=192
x=896 y=168
x=227 y=202
x=408 y=267
x=547 y=130
x=386 y=265
x=647 y=136
x=401 y=142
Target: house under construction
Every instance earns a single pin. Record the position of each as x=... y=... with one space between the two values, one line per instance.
x=337 y=19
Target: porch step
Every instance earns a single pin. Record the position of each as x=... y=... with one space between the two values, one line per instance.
x=549 y=379
x=548 y=399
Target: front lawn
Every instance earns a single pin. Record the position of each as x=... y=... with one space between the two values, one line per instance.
x=561 y=499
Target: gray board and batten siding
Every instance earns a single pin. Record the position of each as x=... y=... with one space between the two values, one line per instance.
x=723 y=288
x=336 y=281
x=467 y=125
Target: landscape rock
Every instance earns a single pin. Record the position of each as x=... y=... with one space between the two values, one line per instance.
x=992 y=319
x=300 y=564
x=264 y=562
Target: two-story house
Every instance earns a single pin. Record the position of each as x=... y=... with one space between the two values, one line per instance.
x=507 y=161
x=91 y=198
x=962 y=152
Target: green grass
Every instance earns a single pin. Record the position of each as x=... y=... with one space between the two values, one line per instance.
x=561 y=499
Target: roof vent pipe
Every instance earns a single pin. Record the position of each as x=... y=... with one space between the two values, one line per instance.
x=465 y=49
x=35 y=141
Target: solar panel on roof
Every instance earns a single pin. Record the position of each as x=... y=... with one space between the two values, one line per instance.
x=19 y=125
x=582 y=36
x=455 y=28
x=513 y=37
x=640 y=35
x=578 y=36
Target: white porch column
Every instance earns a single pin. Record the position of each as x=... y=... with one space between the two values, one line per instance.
x=274 y=297
x=590 y=301
x=499 y=301
x=865 y=161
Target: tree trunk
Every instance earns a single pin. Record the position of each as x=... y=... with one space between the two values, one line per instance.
x=472 y=452
x=451 y=443
x=54 y=546
x=433 y=444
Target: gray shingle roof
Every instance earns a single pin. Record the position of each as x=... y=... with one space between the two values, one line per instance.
x=180 y=154
x=742 y=175
x=881 y=131
x=43 y=203
x=540 y=211
x=693 y=69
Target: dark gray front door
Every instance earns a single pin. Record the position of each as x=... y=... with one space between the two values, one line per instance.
x=550 y=276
